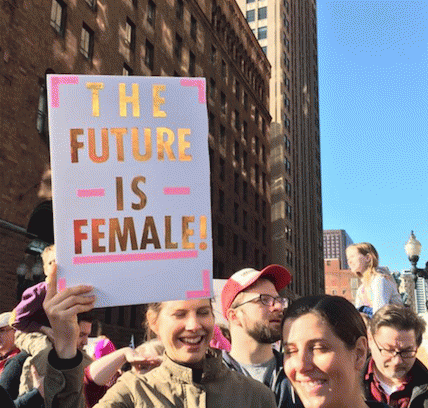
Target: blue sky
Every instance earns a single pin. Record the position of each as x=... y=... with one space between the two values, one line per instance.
x=373 y=84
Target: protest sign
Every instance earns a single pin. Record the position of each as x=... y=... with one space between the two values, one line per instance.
x=131 y=186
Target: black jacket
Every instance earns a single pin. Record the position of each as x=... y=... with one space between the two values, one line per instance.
x=278 y=382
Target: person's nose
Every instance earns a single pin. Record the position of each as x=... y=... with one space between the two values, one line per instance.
x=193 y=323
x=398 y=358
x=303 y=361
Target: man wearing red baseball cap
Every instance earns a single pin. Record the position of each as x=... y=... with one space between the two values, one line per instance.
x=254 y=309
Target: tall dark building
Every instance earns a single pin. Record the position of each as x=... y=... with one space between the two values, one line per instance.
x=287 y=33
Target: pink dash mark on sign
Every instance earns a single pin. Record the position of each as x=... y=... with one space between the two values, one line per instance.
x=61 y=284
x=56 y=81
x=190 y=294
x=176 y=190
x=91 y=192
x=199 y=83
x=152 y=256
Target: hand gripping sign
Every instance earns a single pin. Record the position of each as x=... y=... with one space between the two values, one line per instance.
x=131 y=186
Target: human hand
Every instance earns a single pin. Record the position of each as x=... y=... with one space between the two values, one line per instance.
x=62 y=309
x=142 y=363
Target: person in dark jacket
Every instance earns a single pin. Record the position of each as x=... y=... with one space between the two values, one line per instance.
x=254 y=309
x=393 y=374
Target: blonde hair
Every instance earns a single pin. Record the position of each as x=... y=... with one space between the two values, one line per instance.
x=365 y=248
x=48 y=255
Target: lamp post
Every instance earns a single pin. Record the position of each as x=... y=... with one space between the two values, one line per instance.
x=413 y=250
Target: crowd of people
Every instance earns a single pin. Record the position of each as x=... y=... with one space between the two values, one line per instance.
x=316 y=352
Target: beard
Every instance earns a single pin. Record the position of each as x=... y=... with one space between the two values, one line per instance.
x=264 y=334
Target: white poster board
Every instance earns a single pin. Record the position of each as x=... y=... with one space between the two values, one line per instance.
x=131 y=186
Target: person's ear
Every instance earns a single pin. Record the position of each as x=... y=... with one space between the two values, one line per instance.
x=360 y=353
x=152 y=320
x=232 y=317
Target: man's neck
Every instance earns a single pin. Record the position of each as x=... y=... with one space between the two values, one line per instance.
x=391 y=382
x=246 y=350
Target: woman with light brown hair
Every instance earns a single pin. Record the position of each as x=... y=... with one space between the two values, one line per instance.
x=378 y=288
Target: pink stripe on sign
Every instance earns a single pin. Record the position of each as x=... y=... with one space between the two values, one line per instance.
x=176 y=190
x=199 y=83
x=190 y=294
x=56 y=81
x=91 y=192
x=151 y=256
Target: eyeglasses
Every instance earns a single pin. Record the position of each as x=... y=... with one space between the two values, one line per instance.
x=267 y=300
x=392 y=353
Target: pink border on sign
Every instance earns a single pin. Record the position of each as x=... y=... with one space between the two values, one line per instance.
x=176 y=190
x=91 y=192
x=61 y=284
x=190 y=294
x=56 y=81
x=199 y=83
x=151 y=256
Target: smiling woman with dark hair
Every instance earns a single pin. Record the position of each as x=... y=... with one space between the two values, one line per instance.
x=325 y=348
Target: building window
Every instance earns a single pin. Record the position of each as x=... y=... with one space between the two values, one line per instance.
x=223 y=70
x=264 y=212
x=245 y=191
x=244 y=220
x=250 y=1
x=262 y=32
x=264 y=49
x=256 y=230
x=179 y=9
x=149 y=58
x=237 y=121
x=87 y=42
x=245 y=100
x=151 y=13
x=264 y=235
x=220 y=236
x=127 y=70
x=222 y=169
x=256 y=257
x=245 y=160
x=211 y=124
x=256 y=202
x=212 y=88
x=178 y=48
x=222 y=135
x=251 y=15
x=223 y=103
x=192 y=64
x=214 y=54
x=237 y=155
x=262 y=13
x=235 y=244
x=193 y=27
x=130 y=34
x=245 y=130
x=236 y=184
x=236 y=213
x=221 y=200
x=58 y=15
x=237 y=89
x=244 y=250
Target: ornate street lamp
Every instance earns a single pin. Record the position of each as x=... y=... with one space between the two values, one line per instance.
x=413 y=250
